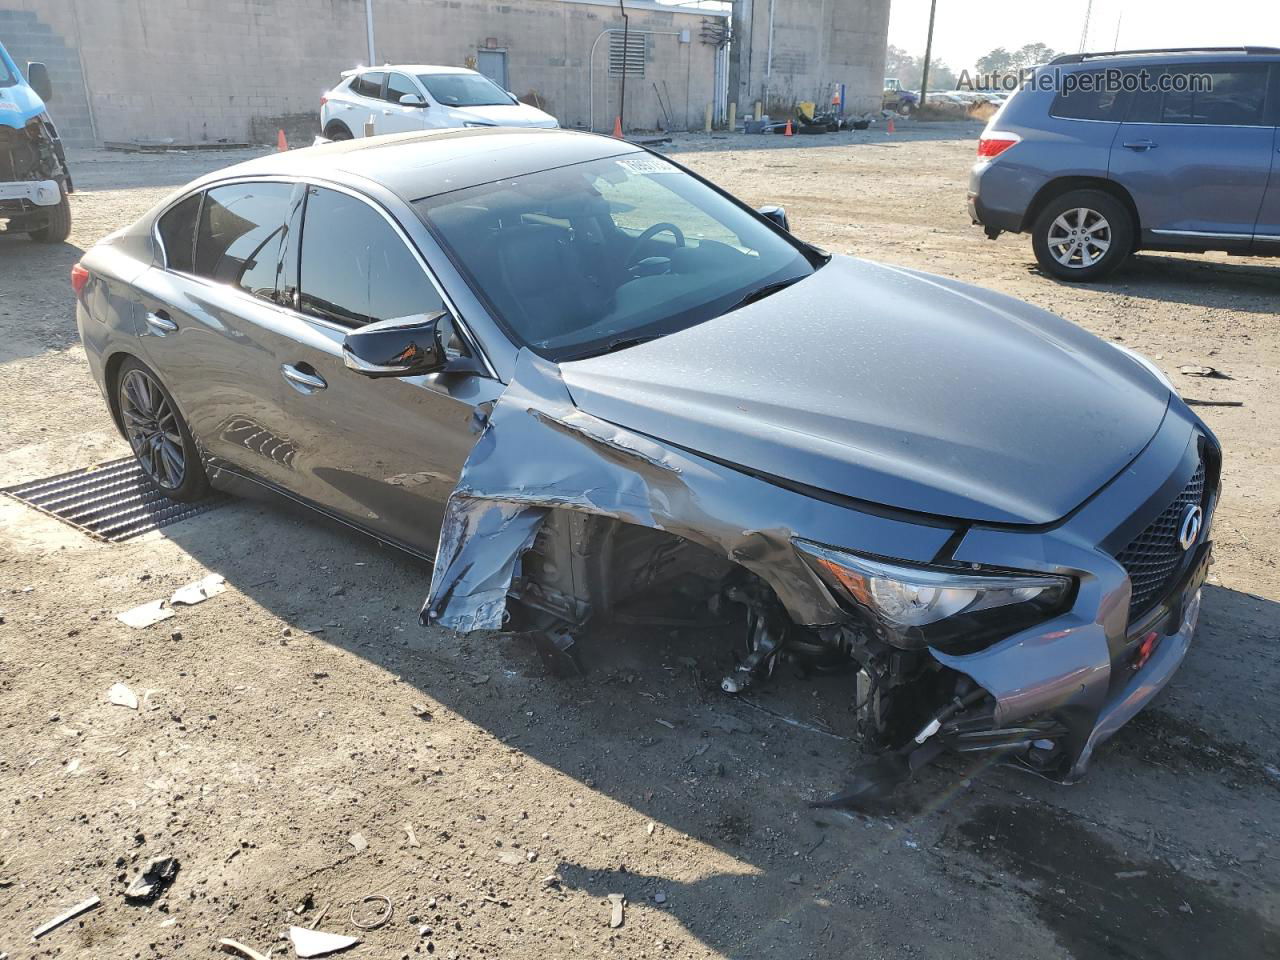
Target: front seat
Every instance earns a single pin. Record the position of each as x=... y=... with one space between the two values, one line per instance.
x=541 y=285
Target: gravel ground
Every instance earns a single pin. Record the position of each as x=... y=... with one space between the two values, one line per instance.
x=294 y=726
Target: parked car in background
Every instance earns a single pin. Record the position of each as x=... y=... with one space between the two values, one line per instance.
x=404 y=98
x=897 y=99
x=585 y=381
x=34 y=180
x=1096 y=174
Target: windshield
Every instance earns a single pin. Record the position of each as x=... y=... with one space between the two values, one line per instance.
x=7 y=78
x=464 y=90
x=585 y=258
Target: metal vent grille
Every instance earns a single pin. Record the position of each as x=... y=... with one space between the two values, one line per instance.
x=636 y=52
x=112 y=502
x=1154 y=556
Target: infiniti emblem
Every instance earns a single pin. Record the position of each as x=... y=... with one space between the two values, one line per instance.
x=1189 y=530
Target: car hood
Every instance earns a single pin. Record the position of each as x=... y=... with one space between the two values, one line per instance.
x=504 y=115
x=894 y=387
x=19 y=105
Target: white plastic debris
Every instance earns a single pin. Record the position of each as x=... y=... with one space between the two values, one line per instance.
x=227 y=944
x=318 y=943
x=63 y=917
x=145 y=615
x=200 y=591
x=122 y=696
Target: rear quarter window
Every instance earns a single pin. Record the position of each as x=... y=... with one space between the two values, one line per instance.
x=1092 y=99
x=177 y=229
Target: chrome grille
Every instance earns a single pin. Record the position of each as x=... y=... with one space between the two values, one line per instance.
x=1154 y=557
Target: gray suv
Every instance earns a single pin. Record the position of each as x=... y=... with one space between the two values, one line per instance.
x=1100 y=155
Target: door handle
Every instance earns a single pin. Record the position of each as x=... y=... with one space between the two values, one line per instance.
x=301 y=380
x=160 y=324
x=1141 y=146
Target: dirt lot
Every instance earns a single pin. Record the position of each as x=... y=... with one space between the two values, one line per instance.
x=283 y=717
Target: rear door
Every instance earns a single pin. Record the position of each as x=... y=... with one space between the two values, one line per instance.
x=367 y=102
x=212 y=318
x=382 y=453
x=1196 y=157
x=395 y=117
x=1267 y=233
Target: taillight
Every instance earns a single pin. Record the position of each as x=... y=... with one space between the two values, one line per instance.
x=324 y=98
x=995 y=143
x=79 y=277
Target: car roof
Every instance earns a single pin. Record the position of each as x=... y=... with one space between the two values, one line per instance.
x=423 y=164
x=1171 y=55
x=412 y=68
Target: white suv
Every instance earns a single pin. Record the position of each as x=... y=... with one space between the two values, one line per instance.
x=402 y=98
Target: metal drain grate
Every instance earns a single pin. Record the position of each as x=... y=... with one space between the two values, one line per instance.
x=112 y=502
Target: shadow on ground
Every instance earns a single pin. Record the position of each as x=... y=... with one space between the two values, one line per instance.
x=648 y=727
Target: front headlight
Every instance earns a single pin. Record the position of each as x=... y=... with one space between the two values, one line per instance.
x=1146 y=364
x=924 y=605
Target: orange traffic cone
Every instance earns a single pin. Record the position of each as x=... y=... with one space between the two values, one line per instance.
x=890 y=125
x=787 y=132
x=281 y=143
x=617 y=127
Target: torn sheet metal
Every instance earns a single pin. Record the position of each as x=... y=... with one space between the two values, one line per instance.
x=539 y=452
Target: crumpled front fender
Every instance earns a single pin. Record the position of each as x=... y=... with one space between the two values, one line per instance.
x=539 y=452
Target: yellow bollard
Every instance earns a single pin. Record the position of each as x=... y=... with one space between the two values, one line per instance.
x=759 y=110
x=733 y=116
x=706 y=122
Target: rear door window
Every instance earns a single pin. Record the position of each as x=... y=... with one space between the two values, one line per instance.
x=355 y=267
x=177 y=230
x=368 y=85
x=1218 y=95
x=241 y=229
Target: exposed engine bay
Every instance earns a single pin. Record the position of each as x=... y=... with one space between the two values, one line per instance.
x=31 y=156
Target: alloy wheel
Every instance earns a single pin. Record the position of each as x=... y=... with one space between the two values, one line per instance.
x=1078 y=238
x=152 y=428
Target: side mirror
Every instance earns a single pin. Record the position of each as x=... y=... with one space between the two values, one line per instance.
x=776 y=215
x=38 y=77
x=412 y=100
x=403 y=347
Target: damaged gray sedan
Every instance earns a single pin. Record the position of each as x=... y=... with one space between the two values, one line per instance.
x=582 y=380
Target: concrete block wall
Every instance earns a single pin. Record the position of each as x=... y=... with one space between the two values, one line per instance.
x=28 y=36
x=816 y=45
x=204 y=70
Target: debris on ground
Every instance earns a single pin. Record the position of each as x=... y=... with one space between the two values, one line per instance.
x=421 y=711
x=153 y=880
x=234 y=946
x=145 y=615
x=510 y=858
x=381 y=919
x=60 y=919
x=413 y=837
x=660 y=897
x=200 y=591
x=615 y=913
x=796 y=879
x=318 y=943
x=358 y=841
x=1192 y=402
x=122 y=696
x=1194 y=370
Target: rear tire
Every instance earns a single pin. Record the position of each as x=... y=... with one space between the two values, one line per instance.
x=58 y=223
x=1082 y=235
x=158 y=435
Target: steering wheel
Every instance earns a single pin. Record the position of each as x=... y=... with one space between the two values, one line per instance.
x=638 y=246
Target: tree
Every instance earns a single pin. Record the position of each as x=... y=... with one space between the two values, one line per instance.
x=998 y=60
x=908 y=69
x=1032 y=55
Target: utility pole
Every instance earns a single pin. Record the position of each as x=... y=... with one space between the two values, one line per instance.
x=1084 y=32
x=626 y=51
x=368 y=22
x=928 y=52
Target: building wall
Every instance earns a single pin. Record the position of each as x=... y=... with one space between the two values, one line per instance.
x=817 y=44
x=204 y=70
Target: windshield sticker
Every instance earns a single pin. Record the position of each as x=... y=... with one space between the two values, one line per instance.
x=642 y=165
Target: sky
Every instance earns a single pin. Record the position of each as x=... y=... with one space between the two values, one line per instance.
x=965 y=30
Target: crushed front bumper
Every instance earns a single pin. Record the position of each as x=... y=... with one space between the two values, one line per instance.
x=43 y=193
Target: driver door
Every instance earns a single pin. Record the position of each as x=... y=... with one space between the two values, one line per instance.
x=396 y=117
x=383 y=454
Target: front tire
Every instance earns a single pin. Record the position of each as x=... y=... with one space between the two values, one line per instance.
x=158 y=435
x=58 y=225
x=1082 y=235
x=337 y=131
